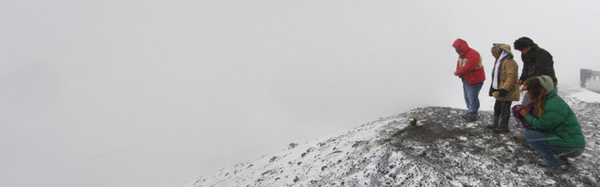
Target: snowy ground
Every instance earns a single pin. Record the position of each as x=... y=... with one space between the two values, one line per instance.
x=442 y=150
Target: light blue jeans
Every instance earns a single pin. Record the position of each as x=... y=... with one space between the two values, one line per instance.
x=471 y=93
x=551 y=154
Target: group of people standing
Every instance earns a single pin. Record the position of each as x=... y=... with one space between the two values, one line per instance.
x=552 y=127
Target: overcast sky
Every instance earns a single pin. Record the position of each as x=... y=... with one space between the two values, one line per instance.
x=150 y=93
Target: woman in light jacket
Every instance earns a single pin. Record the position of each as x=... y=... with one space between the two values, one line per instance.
x=504 y=86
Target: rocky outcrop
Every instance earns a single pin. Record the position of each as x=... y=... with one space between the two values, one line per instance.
x=440 y=149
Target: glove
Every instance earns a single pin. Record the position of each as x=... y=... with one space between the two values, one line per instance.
x=502 y=93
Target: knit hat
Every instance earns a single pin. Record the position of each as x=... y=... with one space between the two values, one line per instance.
x=523 y=42
x=546 y=82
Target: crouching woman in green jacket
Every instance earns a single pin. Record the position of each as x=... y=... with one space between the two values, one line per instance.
x=556 y=134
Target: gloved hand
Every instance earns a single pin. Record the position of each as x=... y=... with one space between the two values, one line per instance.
x=502 y=93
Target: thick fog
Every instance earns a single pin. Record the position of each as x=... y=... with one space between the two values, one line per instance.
x=153 y=93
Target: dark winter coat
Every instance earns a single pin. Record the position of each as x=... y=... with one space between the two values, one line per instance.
x=508 y=72
x=558 y=123
x=537 y=62
x=469 y=64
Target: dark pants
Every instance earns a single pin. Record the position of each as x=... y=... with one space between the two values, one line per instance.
x=502 y=113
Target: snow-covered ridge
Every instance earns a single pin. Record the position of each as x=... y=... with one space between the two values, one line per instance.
x=441 y=150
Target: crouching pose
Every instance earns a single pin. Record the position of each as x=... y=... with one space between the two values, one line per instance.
x=556 y=133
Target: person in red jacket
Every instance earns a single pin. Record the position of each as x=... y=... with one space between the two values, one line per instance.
x=470 y=69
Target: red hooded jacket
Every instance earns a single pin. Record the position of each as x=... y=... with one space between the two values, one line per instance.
x=469 y=64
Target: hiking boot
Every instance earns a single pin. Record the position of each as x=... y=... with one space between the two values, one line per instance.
x=468 y=118
x=546 y=165
x=501 y=129
x=492 y=126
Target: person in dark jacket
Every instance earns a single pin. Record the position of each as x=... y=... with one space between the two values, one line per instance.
x=536 y=62
x=504 y=86
x=556 y=134
x=470 y=69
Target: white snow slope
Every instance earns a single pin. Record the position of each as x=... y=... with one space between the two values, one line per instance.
x=442 y=150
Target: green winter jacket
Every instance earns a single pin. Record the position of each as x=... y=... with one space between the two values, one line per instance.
x=558 y=123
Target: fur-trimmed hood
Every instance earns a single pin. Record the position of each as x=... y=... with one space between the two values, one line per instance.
x=506 y=48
